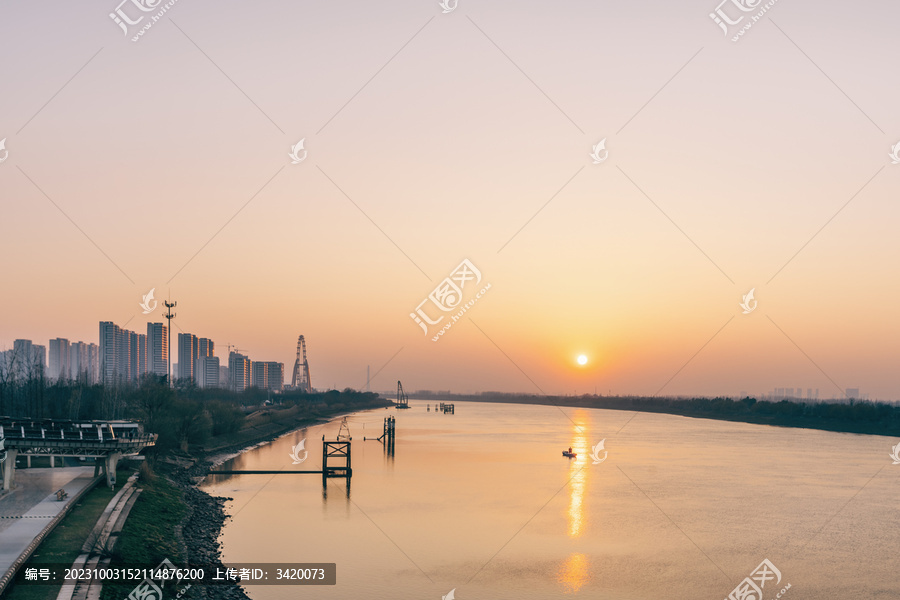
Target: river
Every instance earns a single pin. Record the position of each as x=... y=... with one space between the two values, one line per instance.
x=483 y=502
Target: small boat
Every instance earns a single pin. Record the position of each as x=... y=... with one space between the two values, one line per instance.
x=569 y=453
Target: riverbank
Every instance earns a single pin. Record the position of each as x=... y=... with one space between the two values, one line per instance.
x=854 y=416
x=205 y=514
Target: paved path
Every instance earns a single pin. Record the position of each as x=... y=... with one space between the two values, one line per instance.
x=26 y=510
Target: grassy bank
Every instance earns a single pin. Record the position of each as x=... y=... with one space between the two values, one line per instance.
x=149 y=533
x=148 y=536
x=273 y=421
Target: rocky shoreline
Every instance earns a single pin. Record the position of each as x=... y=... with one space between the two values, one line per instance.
x=202 y=525
x=201 y=528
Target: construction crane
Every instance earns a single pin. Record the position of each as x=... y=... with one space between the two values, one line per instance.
x=235 y=348
x=402 y=397
x=300 y=380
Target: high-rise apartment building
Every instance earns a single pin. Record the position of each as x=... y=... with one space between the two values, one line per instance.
x=137 y=355
x=188 y=353
x=207 y=347
x=268 y=375
x=157 y=349
x=276 y=376
x=111 y=338
x=260 y=375
x=58 y=360
x=124 y=355
x=239 y=371
x=206 y=371
x=84 y=362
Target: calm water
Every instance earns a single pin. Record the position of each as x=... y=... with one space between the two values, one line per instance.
x=482 y=501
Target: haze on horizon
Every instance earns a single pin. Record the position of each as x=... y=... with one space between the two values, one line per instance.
x=761 y=164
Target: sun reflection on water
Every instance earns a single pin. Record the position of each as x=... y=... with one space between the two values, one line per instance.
x=578 y=474
x=574 y=573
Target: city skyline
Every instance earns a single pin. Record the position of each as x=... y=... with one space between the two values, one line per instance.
x=205 y=368
x=428 y=139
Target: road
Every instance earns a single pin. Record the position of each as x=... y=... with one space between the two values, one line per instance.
x=29 y=508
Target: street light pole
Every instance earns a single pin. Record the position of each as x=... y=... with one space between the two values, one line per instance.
x=169 y=315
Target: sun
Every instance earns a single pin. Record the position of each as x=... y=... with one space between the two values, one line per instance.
x=582 y=359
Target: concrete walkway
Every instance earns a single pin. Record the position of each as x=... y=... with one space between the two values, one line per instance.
x=29 y=508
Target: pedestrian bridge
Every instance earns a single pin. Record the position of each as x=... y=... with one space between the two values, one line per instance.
x=105 y=441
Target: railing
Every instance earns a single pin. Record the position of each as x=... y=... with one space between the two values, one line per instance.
x=67 y=430
x=76 y=441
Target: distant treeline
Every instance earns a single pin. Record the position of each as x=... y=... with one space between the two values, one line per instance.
x=181 y=415
x=855 y=416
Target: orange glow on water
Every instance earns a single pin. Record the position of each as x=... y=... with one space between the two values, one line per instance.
x=578 y=474
x=574 y=573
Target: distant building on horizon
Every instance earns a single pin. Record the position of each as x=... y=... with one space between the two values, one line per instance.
x=27 y=359
x=779 y=394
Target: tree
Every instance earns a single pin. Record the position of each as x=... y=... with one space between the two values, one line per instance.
x=151 y=399
x=190 y=422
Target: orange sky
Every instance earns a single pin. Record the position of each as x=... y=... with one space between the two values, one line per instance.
x=164 y=164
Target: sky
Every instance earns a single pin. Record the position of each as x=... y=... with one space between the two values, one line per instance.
x=430 y=138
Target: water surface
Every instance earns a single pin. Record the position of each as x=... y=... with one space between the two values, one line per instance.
x=484 y=502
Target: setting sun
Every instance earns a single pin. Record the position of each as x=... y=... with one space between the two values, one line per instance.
x=582 y=359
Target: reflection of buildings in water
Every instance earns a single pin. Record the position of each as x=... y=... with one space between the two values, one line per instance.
x=575 y=572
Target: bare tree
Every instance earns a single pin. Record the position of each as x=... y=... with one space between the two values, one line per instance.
x=151 y=399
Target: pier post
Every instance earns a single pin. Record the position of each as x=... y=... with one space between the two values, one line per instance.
x=349 y=468
x=9 y=469
x=109 y=465
x=393 y=433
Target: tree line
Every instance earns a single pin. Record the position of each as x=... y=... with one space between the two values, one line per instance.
x=181 y=414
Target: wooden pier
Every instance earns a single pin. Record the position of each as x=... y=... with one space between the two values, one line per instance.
x=336 y=451
x=339 y=450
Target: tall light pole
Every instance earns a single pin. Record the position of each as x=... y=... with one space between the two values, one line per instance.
x=169 y=315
